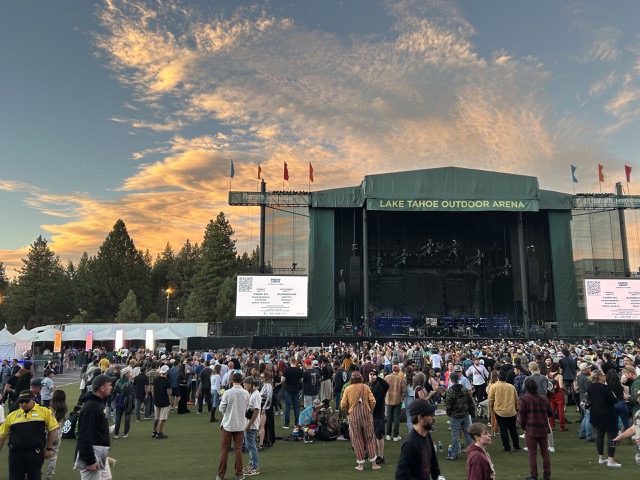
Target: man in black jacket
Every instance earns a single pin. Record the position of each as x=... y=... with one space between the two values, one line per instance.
x=93 y=430
x=379 y=388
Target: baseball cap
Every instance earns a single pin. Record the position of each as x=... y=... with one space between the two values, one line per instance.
x=250 y=379
x=421 y=407
x=308 y=361
x=315 y=362
x=36 y=382
x=457 y=368
x=164 y=369
x=163 y=357
x=126 y=370
x=584 y=366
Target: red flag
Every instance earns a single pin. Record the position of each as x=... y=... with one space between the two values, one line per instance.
x=259 y=171
x=600 y=173
x=286 y=171
x=310 y=172
x=627 y=170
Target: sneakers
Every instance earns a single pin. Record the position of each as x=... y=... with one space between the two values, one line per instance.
x=397 y=439
x=522 y=436
x=253 y=471
x=388 y=437
x=526 y=449
x=308 y=438
x=379 y=460
x=218 y=477
x=247 y=469
x=613 y=464
x=603 y=460
x=552 y=450
x=161 y=436
x=453 y=458
x=154 y=434
x=116 y=436
x=285 y=426
x=240 y=477
x=125 y=435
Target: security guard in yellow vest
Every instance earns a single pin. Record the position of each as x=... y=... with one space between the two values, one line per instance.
x=29 y=430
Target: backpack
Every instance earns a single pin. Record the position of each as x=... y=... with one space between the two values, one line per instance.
x=70 y=426
x=552 y=385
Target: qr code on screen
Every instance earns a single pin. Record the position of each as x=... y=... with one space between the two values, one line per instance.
x=245 y=284
x=593 y=288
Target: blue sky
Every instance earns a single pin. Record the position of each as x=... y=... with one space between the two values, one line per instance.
x=133 y=109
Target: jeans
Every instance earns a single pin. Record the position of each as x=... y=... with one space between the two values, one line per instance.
x=291 y=400
x=456 y=425
x=623 y=411
x=508 y=428
x=127 y=420
x=407 y=402
x=532 y=446
x=393 y=418
x=338 y=395
x=586 y=429
x=250 y=443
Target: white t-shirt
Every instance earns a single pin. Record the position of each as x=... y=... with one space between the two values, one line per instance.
x=255 y=401
x=436 y=361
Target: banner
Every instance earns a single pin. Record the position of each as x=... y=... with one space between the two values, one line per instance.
x=89 y=346
x=455 y=205
x=57 y=342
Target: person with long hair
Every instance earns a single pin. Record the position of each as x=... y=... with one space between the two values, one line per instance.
x=621 y=406
x=183 y=382
x=267 y=422
x=556 y=398
x=408 y=378
x=358 y=402
x=59 y=409
x=604 y=417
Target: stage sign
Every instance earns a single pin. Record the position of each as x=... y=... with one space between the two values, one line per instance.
x=57 y=342
x=293 y=199
x=271 y=296
x=612 y=299
x=452 y=205
x=89 y=346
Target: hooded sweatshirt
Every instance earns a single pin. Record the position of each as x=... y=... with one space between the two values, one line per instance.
x=458 y=401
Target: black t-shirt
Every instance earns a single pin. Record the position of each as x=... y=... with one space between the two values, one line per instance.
x=292 y=379
x=310 y=382
x=379 y=388
x=488 y=363
x=139 y=383
x=160 y=396
x=205 y=379
x=569 y=369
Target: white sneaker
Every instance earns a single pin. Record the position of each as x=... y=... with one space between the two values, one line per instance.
x=525 y=449
x=115 y=436
x=397 y=439
x=602 y=460
x=388 y=437
x=522 y=436
x=613 y=464
x=552 y=450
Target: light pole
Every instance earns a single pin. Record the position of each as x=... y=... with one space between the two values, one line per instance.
x=168 y=291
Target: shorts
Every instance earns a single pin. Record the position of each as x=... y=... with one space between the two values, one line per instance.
x=175 y=391
x=102 y=474
x=161 y=413
x=378 y=428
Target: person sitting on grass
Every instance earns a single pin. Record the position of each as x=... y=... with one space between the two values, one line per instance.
x=308 y=420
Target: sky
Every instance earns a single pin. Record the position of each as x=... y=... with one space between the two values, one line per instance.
x=134 y=109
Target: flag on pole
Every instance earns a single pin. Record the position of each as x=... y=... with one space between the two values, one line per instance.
x=627 y=170
x=310 y=172
x=286 y=171
x=600 y=173
x=233 y=170
x=259 y=171
x=573 y=173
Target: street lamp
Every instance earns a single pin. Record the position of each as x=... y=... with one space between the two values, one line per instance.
x=178 y=315
x=168 y=291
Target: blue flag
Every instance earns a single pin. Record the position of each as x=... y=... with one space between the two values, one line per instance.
x=233 y=170
x=573 y=173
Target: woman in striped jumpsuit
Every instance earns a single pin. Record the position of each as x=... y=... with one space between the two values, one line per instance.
x=358 y=402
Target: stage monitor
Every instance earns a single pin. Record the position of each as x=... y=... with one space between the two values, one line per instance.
x=612 y=299
x=266 y=296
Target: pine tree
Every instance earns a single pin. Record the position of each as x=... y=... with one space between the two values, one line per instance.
x=181 y=273
x=218 y=261
x=160 y=279
x=118 y=268
x=129 y=312
x=40 y=294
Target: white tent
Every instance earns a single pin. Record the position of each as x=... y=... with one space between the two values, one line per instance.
x=105 y=334
x=23 y=336
x=44 y=335
x=166 y=333
x=76 y=335
x=135 y=334
x=7 y=344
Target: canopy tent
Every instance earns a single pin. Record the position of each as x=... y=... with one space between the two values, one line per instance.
x=105 y=334
x=7 y=344
x=23 y=336
x=135 y=334
x=166 y=333
x=46 y=335
x=76 y=335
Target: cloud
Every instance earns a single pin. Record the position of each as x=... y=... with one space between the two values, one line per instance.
x=264 y=89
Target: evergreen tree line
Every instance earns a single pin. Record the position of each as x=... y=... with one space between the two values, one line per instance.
x=124 y=284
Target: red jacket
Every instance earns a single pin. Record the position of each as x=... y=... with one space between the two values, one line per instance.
x=479 y=466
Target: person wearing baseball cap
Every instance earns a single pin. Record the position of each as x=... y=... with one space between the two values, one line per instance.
x=161 y=402
x=418 y=454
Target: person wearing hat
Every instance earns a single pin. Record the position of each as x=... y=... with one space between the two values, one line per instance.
x=124 y=401
x=310 y=382
x=460 y=406
x=308 y=420
x=464 y=381
x=418 y=453
x=93 y=432
x=31 y=433
x=582 y=383
x=161 y=402
x=233 y=406
x=250 y=384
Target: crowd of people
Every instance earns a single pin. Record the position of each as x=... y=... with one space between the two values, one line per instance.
x=352 y=392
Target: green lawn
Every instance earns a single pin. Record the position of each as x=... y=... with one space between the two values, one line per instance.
x=192 y=449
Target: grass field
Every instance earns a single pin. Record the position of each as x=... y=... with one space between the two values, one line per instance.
x=193 y=446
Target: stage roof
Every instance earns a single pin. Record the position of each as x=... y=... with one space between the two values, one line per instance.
x=445 y=189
